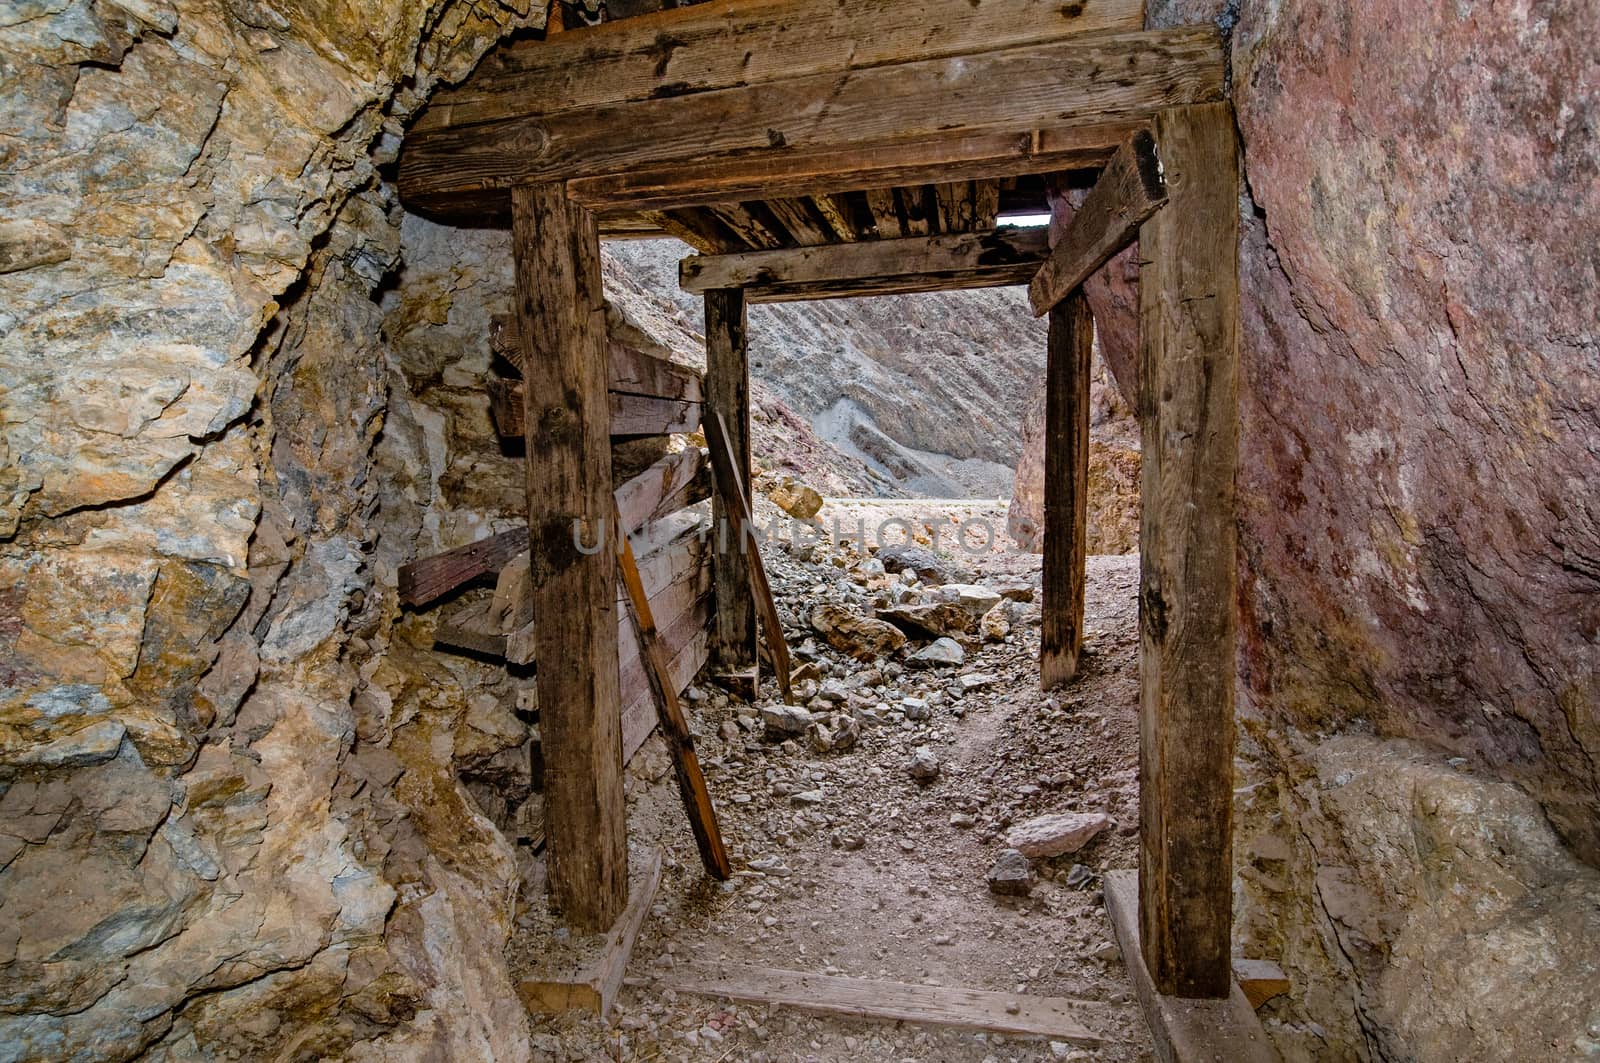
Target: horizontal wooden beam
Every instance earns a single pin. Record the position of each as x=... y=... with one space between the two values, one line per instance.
x=630 y=370
x=1096 y=79
x=730 y=43
x=631 y=415
x=1130 y=189
x=916 y=264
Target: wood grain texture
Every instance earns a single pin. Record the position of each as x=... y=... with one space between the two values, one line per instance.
x=428 y=579
x=1184 y=1030
x=631 y=415
x=1022 y=1015
x=680 y=743
x=628 y=369
x=834 y=170
x=1130 y=189
x=1002 y=256
x=1013 y=91
x=733 y=645
x=560 y=308
x=730 y=43
x=1189 y=380
x=1066 y=488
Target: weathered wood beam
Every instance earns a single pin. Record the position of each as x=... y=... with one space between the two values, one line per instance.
x=985 y=204
x=1189 y=389
x=885 y=213
x=838 y=213
x=955 y=206
x=916 y=218
x=733 y=645
x=628 y=369
x=1041 y=148
x=729 y=43
x=926 y=263
x=744 y=222
x=694 y=227
x=1066 y=488
x=1130 y=190
x=939 y=100
x=631 y=415
x=561 y=321
x=806 y=228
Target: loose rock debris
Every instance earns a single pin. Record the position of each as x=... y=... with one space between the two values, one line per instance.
x=847 y=863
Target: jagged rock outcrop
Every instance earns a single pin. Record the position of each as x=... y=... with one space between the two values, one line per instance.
x=233 y=823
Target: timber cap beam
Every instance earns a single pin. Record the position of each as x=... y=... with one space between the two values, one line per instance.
x=787 y=119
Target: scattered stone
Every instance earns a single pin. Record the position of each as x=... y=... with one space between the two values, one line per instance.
x=976 y=680
x=929 y=621
x=941 y=653
x=786 y=719
x=1011 y=875
x=771 y=865
x=796 y=499
x=914 y=708
x=872 y=568
x=809 y=797
x=1079 y=877
x=862 y=638
x=729 y=731
x=974 y=598
x=915 y=559
x=1054 y=835
x=996 y=624
x=963 y=820
x=1016 y=592
x=924 y=766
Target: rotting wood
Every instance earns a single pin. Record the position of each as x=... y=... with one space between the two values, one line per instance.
x=985 y=204
x=799 y=218
x=728 y=43
x=593 y=982
x=733 y=644
x=694 y=227
x=934 y=100
x=839 y=214
x=628 y=369
x=955 y=206
x=684 y=184
x=561 y=323
x=730 y=486
x=744 y=222
x=674 y=728
x=1013 y=1014
x=1066 y=488
x=885 y=213
x=915 y=217
x=1184 y=1030
x=925 y=263
x=631 y=415
x=1131 y=188
x=670 y=484
x=1189 y=390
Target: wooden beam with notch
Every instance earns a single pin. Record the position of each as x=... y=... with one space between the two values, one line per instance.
x=1129 y=191
x=927 y=263
x=941 y=100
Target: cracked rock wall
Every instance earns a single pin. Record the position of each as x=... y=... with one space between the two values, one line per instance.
x=232 y=815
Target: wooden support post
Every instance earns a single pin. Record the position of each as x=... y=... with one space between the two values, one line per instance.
x=562 y=323
x=1188 y=372
x=727 y=391
x=1066 y=488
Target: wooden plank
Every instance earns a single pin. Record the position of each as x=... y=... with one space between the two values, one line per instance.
x=591 y=981
x=1066 y=489
x=631 y=415
x=561 y=320
x=806 y=228
x=639 y=718
x=1014 y=91
x=885 y=213
x=628 y=369
x=1185 y=1030
x=733 y=644
x=1130 y=189
x=696 y=228
x=743 y=221
x=431 y=578
x=680 y=743
x=1003 y=256
x=985 y=204
x=730 y=486
x=1013 y=1014
x=838 y=213
x=728 y=43
x=955 y=206
x=916 y=218
x=1259 y=981
x=1189 y=388
x=835 y=170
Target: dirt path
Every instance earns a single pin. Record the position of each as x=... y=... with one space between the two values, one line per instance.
x=848 y=865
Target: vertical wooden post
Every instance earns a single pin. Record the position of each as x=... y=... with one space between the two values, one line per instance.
x=561 y=318
x=727 y=391
x=1188 y=385
x=1066 y=487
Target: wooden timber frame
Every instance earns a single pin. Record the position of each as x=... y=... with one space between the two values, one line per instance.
x=775 y=136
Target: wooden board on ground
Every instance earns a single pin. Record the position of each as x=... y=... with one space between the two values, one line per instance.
x=1185 y=1030
x=1013 y=1014
x=586 y=971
